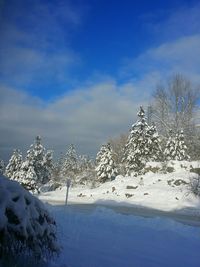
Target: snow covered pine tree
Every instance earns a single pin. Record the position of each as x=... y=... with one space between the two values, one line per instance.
x=176 y=148
x=106 y=169
x=37 y=167
x=169 y=151
x=155 y=150
x=143 y=144
x=181 y=148
x=27 y=175
x=14 y=165
x=70 y=163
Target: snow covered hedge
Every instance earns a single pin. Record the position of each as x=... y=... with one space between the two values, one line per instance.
x=25 y=224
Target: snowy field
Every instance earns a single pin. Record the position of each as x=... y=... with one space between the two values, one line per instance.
x=104 y=238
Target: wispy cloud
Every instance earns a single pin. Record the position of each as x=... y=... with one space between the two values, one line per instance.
x=177 y=45
x=181 y=55
x=36 y=49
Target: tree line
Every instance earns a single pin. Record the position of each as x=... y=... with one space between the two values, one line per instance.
x=166 y=132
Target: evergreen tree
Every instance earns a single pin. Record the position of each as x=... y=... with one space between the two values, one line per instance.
x=155 y=151
x=101 y=152
x=106 y=169
x=37 y=167
x=176 y=148
x=170 y=149
x=181 y=148
x=14 y=165
x=41 y=161
x=137 y=149
x=38 y=152
x=47 y=167
x=27 y=175
x=70 y=163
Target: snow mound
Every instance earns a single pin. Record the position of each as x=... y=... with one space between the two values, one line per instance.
x=169 y=192
x=25 y=224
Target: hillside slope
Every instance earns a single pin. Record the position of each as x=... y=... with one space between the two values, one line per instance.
x=155 y=189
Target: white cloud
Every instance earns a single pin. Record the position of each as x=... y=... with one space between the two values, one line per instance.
x=87 y=117
x=176 y=32
x=27 y=66
x=181 y=55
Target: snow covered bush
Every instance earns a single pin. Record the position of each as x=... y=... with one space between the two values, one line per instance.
x=106 y=169
x=50 y=186
x=195 y=185
x=25 y=225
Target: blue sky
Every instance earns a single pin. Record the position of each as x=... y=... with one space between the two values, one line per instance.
x=88 y=54
x=50 y=47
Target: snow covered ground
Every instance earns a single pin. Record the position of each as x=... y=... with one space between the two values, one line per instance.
x=132 y=233
x=141 y=229
x=168 y=192
x=105 y=238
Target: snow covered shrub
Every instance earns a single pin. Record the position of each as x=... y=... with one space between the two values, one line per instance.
x=87 y=178
x=155 y=169
x=50 y=186
x=26 y=228
x=195 y=170
x=195 y=185
x=166 y=167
